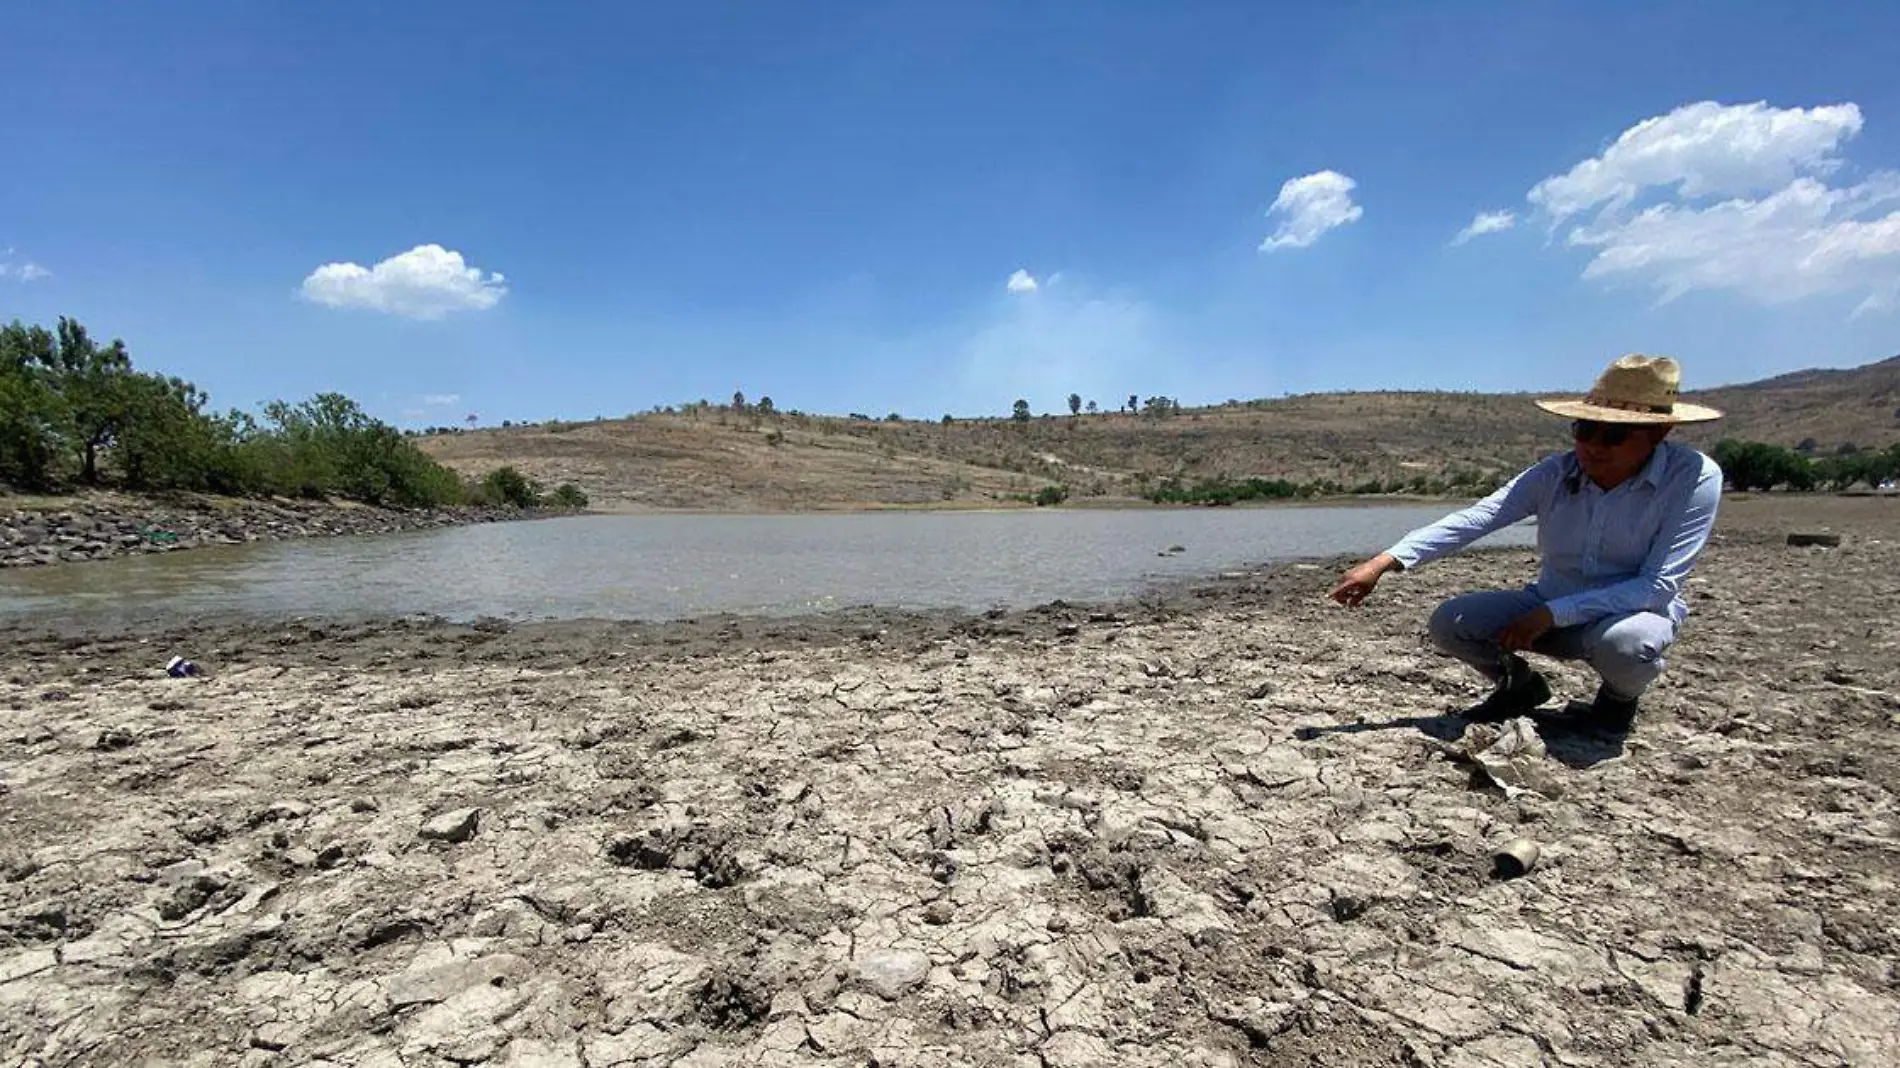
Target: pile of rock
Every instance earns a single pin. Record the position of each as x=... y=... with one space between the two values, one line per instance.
x=100 y=530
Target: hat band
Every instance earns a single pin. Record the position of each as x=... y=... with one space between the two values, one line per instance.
x=1629 y=406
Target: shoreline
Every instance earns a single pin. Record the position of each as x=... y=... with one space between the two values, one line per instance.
x=38 y=531
x=56 y=531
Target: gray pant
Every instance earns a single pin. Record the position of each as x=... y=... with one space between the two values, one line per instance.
x=1626 y=651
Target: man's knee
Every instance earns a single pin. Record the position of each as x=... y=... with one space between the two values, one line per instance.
x=1631 y=650
x=1448 y=626
x=1468 y=618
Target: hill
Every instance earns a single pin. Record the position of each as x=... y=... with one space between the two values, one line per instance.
x=721 y=458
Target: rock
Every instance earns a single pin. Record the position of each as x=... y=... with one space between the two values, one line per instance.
x=21 y=965
x=455 y=826
x=113 y=738
x=1075 y=1049
x=279 y=1036
x=282 y=810
x=1183 y=908
x=537 y=1053
x=428 y=984
x=892 y=973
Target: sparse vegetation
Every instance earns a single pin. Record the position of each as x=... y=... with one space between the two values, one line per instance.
x=1755 y=465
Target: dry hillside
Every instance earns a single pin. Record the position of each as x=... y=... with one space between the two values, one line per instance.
x=717 y=458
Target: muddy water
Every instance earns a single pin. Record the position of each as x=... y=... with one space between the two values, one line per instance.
x=675 y=566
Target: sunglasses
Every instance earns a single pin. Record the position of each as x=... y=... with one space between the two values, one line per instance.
x=1610 y=434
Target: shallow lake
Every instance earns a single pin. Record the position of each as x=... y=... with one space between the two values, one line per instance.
x=659 y=567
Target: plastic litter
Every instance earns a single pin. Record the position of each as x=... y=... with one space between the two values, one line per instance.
x=1509 y=756
x=180 y=668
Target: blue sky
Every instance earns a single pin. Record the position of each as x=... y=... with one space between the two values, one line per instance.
x=494 y=208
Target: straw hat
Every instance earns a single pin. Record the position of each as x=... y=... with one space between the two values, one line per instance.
x=1634 y=389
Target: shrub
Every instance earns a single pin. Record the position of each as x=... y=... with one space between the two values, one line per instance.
x=507 y=486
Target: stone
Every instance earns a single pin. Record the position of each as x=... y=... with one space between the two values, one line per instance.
x=1180 y=906
x=892 y=973
x=428 y=984
x=1075 y=1049
x=642 y=1043
x=454 y=826
x=21 y=965
x=280 y=1035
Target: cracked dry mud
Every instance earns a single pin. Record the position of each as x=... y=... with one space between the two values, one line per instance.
x=1213 y=828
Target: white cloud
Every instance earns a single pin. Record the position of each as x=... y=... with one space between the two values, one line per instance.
x=1308 y=207
x=426 y=282
x=1486 y=222
x=21 y=270
x=1022 y=282
x=441 y=400
x=1704 y=149
x=1733 y=197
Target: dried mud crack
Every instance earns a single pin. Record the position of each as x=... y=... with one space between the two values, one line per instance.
x=1225 y=826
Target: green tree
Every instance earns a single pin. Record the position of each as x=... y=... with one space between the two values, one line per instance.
x=165 y=441
x=32 y=413
x=1755 y=465
x=1020 y=411
x=1075 y=404
x=92 y=382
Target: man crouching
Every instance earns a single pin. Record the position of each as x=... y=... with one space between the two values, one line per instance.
x=1621 y=519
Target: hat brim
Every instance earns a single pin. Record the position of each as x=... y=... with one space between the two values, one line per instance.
x=1680 y=412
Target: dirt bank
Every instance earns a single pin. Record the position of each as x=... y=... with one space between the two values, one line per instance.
x=1216 y=827
x=36 y=531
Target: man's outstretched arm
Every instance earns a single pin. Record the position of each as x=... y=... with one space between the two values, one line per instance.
x=1513 y=501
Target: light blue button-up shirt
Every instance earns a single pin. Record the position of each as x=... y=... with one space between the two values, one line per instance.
x=1603 y=553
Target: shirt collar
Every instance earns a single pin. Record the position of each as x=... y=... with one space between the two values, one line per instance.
x=1657 y=468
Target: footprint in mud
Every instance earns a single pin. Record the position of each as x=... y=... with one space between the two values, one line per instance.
x=732 y=1003
x=710 y=853
x=948 y=825
x=1113 y=875
x=193 y=890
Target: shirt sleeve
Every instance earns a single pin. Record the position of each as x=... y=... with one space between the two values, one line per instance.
x=1684 y=531
x=1515 y=500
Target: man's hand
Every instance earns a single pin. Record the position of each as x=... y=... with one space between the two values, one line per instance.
x=1357 y=584
x=1524 y=631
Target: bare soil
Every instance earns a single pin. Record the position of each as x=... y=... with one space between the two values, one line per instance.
x=1228 y=824
x=716 y=458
